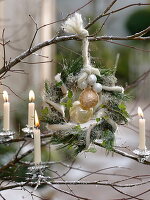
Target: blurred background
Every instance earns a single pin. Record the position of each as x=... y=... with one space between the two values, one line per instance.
x=133 y=62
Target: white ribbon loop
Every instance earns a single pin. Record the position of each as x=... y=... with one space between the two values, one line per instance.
x=74 y=25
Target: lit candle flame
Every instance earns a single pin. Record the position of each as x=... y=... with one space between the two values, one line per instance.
x=5 y=96
x=140 y=112
x=31 y=96
x=37 y=124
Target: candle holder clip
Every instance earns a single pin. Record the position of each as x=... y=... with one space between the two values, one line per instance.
x=36 y=173
x=6 y=134
x=143 y=155
x=29 y=131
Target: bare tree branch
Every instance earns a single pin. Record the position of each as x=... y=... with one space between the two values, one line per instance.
x=138 y=80
x=100 y=16
x=122 y=153
x=115 y=11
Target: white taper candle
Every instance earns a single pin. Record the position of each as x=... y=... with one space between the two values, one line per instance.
x=6 y=112
x=31 y=109
x=37 y=141
x=142 y=140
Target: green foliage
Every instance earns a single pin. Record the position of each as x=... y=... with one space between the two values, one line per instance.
x=68 y=100
x=78 y=127
x=108 y=140
x=59 y=84
x=107 y=72
x=97 y=119
x=51 y=116
x=70 y=94
x=138 y=21
x=53 y=91
x=73 y=139
x=44 y=111
x=107 y=77
x=71 y=68
x=113 y=104
x=16 y=173
x=116 y=108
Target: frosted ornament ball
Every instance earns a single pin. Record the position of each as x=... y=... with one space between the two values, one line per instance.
x=88 y=98
x=79 y=115
x=97 y=87
x=91 y=79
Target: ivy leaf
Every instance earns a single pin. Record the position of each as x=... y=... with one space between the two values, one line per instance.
x=97 y=119
x=78 y=127
x=68 y=104
x=103 y=106
x=106 y=117
x=70 y=94
x=59 y=84
x=122 y=106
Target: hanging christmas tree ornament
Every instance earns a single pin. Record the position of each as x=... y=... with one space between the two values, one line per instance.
x=91 y=80
x=79 y=115
x=97 y=87
x=88 y=98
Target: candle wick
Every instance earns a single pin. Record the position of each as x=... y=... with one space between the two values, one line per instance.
x=142 y=117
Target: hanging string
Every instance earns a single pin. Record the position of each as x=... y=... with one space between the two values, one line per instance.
x=74 y=25
x=85 y=53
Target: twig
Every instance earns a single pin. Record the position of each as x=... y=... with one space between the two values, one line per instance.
x=12 y=91
x=131 y=196
x=116 y=63
x=99 y=30
x=122 y=153
x=129 y=46
x=66 y=192
x=33 y=63
x=115 y=11
x=56 y=40
x=98 y=17
x=36 y=31
x=65 y=18
x=19 y=157
x=2 y=196
x=138 y=80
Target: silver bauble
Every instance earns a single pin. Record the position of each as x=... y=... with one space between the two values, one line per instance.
x=91 y=79
x=97 y=87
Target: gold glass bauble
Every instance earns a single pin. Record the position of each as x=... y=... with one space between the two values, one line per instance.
x=88 y=98
x=78 y=115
